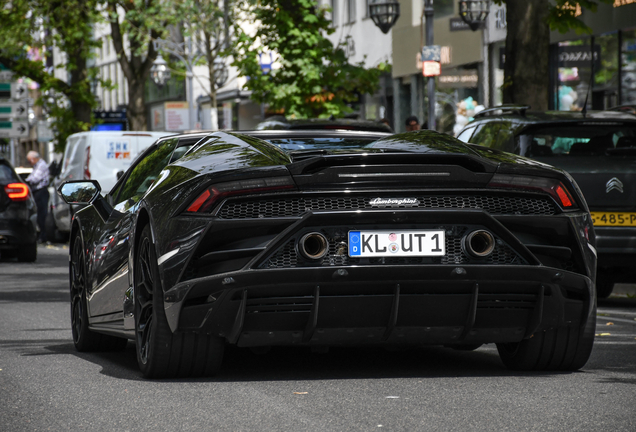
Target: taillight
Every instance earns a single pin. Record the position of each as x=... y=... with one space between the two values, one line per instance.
x=17 y=191
x=555 y=188
x=87 y=172
x=206 y=200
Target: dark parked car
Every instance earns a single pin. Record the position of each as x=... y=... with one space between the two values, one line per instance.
x=410 y=239
x=599 y=150
x=18 y=216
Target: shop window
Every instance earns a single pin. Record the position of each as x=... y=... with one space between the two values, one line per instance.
x=333 y=4
x=574 y=73
x=443 y=8
x=605 y=90
x=350 y=9
x=628 y=67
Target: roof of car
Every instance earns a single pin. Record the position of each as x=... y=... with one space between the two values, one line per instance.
x=522 y=116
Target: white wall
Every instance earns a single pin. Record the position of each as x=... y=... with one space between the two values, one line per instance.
x=362 y=36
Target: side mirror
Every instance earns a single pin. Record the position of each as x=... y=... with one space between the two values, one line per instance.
x=119 y=174
x=80 y=191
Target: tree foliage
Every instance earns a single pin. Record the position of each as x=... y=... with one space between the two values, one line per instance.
x=210 y=26
x=526 y=71
x=135 y=24
x=314 y=77
x=30 y=25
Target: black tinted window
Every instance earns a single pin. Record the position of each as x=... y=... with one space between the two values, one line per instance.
x=292 y=144
x=6 y=174
x=147 y=170
x=579 y=140
x=497 y=135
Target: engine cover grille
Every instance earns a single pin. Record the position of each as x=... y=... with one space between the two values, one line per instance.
x=297 y=206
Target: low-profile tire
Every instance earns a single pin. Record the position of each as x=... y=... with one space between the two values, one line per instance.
x=8 y=253
x=28 y=252
x=84 y=339
x=560 y=349
x=604 y=286
x=160 y=352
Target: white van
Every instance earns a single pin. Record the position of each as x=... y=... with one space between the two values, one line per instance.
x=98 y=156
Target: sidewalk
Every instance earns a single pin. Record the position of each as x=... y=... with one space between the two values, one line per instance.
x=624 y=290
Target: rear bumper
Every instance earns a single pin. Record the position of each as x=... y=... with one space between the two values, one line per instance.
x=438 y=304
x=615 y=240
x=17 y=232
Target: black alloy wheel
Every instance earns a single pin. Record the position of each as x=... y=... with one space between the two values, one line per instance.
x=144 y=288
x=160 y=352
x=84 y=339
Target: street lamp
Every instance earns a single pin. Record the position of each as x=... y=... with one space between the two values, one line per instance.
x=384 y=13
x=184 y=52
x=159 y=72
x=474 y=12
x=221 y=72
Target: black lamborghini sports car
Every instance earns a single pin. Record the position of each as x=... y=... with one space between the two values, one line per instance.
x=323 y=238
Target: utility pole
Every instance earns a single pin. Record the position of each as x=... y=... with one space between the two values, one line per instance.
x=430 y=85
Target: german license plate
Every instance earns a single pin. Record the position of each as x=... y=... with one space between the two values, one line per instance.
x=613 y=219
x=415 y=243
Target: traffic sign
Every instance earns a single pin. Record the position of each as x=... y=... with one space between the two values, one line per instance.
x=6 y=75
x=13 y=90
x=13 y=110
x=14 y=129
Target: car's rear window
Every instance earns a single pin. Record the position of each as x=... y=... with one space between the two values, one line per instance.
x=590 y=139
x=295 y=144
x=6 y=174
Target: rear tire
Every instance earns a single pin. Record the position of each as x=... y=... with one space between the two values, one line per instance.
x=560 y=349
x=85 y=340
x=28 y=252
x=161 y=353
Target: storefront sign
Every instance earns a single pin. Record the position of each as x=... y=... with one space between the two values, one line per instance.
x=431 y=68
x=177 y=116
x=431 y=53
x=579 y=56
x=460 y=79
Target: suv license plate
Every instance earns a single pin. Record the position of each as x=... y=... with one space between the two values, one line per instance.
x=613 y=219
x=415 y=243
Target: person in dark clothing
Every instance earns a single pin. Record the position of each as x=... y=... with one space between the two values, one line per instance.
x=39 y=182
x=412 y=124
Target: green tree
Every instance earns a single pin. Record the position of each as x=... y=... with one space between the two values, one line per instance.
x=134 y=25
x=315 y=78
x=68 y=25
x=526 y=72
x=210 y=26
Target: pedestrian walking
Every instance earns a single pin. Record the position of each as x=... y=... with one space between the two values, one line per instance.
x=39 y=182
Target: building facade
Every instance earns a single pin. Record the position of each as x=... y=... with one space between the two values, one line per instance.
x=599 y=68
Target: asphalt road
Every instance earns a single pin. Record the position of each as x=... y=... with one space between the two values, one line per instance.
x=45 y=385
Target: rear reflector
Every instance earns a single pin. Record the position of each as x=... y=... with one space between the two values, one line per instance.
x=206 y=200
x=17 y=191
x=555 y=188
